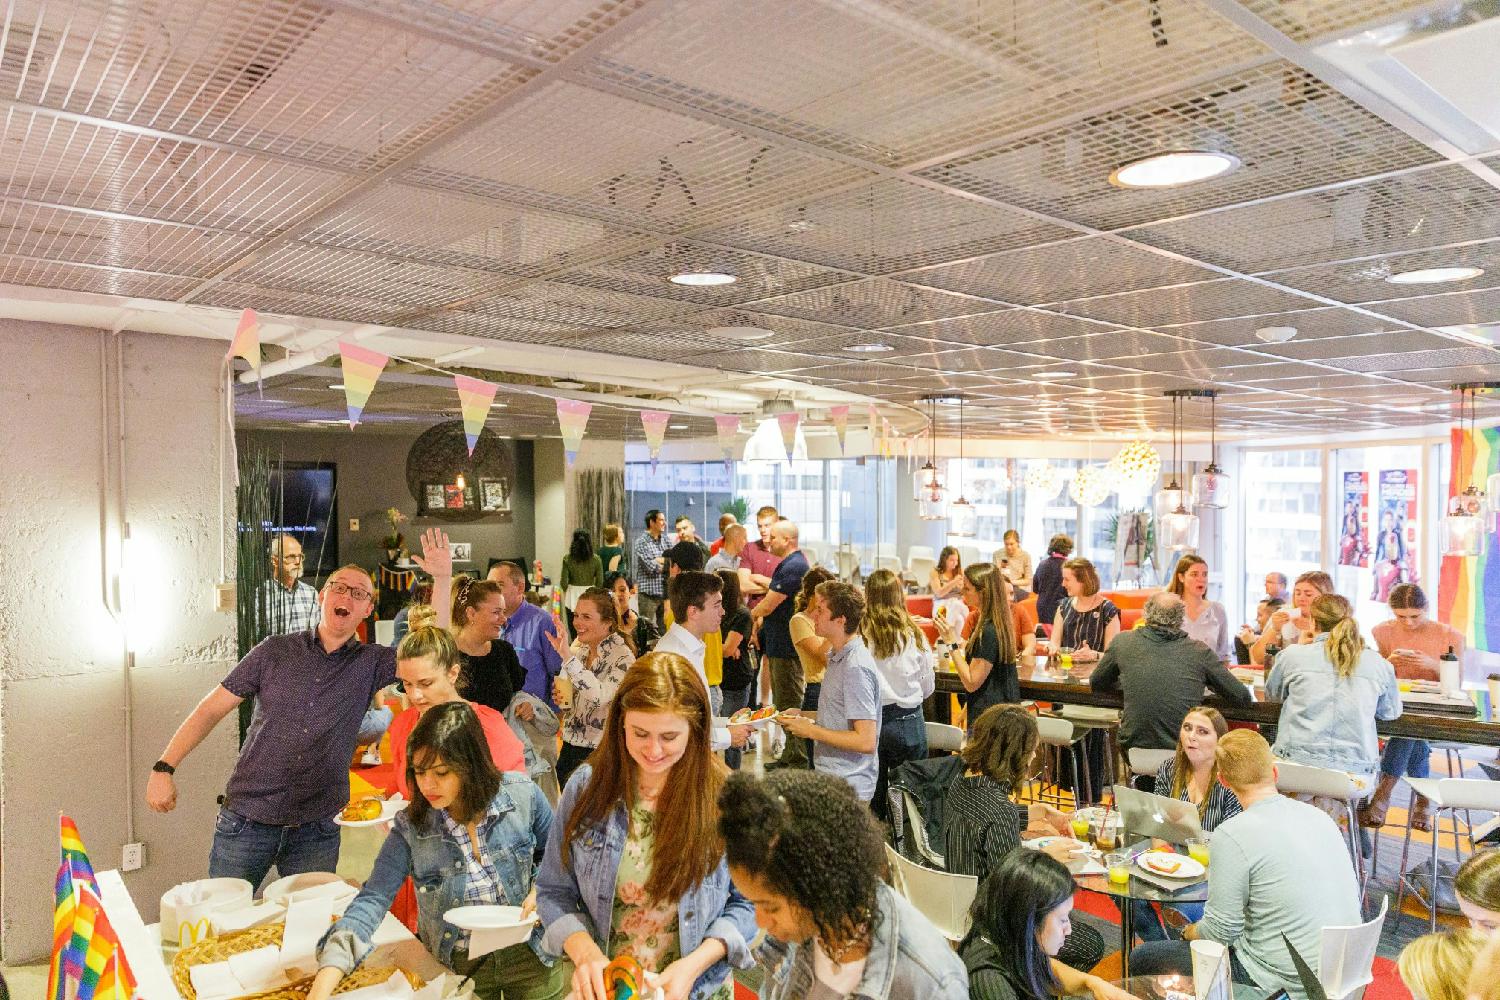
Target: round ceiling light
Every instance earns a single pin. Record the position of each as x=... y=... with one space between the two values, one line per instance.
x=871 y=348
x=703 y=279
x=1173 y=169
x=1434 y=275
x=741 y=333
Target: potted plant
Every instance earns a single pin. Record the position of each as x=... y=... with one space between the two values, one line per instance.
x=395 y=542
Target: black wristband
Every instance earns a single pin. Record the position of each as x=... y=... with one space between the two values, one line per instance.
x=162 y=767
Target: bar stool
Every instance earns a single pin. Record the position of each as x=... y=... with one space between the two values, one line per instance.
x=1105 y=721
x=1450 y=795
x=1147 y=762
x=1060 y=735
x=1346 y=789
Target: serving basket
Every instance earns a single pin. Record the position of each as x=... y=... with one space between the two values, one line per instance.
x=218 y=949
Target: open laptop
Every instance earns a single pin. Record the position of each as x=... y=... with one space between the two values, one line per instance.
x=1148 y=815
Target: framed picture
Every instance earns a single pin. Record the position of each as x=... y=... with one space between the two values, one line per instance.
x=453 y=497
x=461 y=551
x=432 y=496
x=494 y=494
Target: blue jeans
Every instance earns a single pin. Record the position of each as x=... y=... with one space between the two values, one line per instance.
x=1405 y=757
x=731 y=701
x=1148 y=926
x=246 y=849
x=903 y=737
x=373 y=725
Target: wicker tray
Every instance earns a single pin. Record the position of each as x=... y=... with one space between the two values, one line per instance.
x=217 y=949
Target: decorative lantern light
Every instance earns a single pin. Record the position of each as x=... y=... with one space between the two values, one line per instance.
x=1044 y=479
x=1090 y=486
x=932 y=498
x=1136 y=468
x=1211 y=486
x=963 y=519
x=1179 y=525
x=1471 y=511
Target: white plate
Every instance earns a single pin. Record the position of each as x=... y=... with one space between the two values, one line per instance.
x=1041 y=843
x=757 y=723
x=1186 y=866
x=388 y=812
x=488 y=918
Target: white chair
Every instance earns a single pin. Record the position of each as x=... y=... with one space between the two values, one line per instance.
x=1148 y=762
x=943 y=737
x=385 y=632
x=893 y=866
x=814 y=553
x=1346 y=960
x=919 y=569
x=1346 y=789
x=915 y=552
x=1450 y=795
x=941 y=897
x=889 y=562
x=1060 y=736
x=968 y=555
x=919 y=830
x=885 y=549
x=847 y=564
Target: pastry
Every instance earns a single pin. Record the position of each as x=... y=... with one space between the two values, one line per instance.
x=368 y=808
x=624 y=978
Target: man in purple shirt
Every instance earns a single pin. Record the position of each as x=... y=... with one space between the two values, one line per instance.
x=527 y=629
x=311 y=689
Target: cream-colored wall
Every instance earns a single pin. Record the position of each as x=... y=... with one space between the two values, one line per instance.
x=556 y=493
x=62 y=661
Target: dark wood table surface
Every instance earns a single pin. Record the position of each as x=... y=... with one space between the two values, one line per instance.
x=1048 y=685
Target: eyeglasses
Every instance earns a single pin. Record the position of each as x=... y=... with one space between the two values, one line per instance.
x=358 y=593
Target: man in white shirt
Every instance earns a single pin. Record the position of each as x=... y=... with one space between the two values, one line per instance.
x=728 y=556
x=697 y=604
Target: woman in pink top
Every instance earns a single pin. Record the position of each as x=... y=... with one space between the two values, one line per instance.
x=427 y=662
x=1413 y=643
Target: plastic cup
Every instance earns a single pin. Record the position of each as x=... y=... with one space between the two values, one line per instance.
x=1080 y=827
x=1198 y=851
x=1118 y=864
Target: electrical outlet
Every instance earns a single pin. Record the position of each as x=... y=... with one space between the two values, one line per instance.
x=224 y=597
x=353 y=524
x=132 y=857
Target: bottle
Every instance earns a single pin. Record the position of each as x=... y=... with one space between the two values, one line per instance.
x=1450 y=677
x=536 y=575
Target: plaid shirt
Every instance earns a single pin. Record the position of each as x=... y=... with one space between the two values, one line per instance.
x=482 y=885
x=294 y=610
x=649 y=576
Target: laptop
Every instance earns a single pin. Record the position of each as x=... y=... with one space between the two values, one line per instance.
x=1158 y=816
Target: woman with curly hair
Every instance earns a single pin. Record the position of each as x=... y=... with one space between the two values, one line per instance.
x=982 y=826
x=634 y=864
x=808 y=854
x=1020 y=921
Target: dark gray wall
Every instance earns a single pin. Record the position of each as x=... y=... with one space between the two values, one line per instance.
x=372 y=477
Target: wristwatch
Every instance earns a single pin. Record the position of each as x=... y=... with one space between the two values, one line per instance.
x=162 y=767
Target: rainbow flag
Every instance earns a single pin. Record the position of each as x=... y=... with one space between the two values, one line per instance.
x=655 y=424
x=106 y=973
x=475 y=396
x=728 y=426
x=1465 y=583
x=362 y=368
x=85 y=949
x=840 y=416
x=572 y=418
x=246 y=342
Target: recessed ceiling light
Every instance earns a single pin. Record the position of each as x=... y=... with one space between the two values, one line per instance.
x=566 y=383
x=1172 y=169
x=335 y=385
x=702 y=278
x=497 y=405
x=1056 y=374
x=871 y=348
x=677 y=427
x=1434 y=275
x=743 y=333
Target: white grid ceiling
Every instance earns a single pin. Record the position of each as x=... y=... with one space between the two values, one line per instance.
x=930 y=174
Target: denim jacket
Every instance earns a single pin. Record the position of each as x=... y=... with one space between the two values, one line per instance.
x=435 y=862
x=908 y=960
x=582 y=897
x=1327 y=721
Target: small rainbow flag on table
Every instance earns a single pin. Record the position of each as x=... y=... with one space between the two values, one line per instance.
x=362 y=369
x=85 y=948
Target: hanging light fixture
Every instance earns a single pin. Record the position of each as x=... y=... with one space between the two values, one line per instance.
x=1179 y=525
x=963 y=519
x=932 y=502
x=1090 y=486
x=925 y=479
x=1462 y=530
x=1211 y=486
x=1136 y=468
x=1043 y=479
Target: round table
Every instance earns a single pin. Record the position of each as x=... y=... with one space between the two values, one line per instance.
x=1157 y=987
x=1133 y=889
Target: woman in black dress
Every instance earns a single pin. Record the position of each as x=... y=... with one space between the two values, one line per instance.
x=492 y=673
x=986 y=664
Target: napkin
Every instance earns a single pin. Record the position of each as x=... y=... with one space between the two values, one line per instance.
x=307 y=921
x=259 y=970
x=215 y=981
x=1092 y=867
x=482 y=942
x=394 y=988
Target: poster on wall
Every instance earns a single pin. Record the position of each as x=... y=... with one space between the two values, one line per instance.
x=1396 y=532
x=1354 y=534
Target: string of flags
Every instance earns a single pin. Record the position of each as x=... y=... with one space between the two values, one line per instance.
x=363 y=366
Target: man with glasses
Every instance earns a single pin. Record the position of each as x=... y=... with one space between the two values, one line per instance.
x=311 y=689
x=287 y=603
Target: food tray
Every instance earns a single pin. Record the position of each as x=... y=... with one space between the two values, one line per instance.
x=218 y=949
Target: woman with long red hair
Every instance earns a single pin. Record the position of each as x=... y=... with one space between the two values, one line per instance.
x=634 y=862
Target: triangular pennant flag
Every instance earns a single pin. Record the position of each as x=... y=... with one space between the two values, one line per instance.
x=246 y=342
x=475 y=397
x=728 y=426
x=840 y=416
x=788 y=423
x=655 y=424
x=572 y=417
x=362 y=368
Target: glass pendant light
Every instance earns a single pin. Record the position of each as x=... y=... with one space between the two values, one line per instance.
x=925 y=479
x=932 y=500
x=1463 y=529
x=1211 y=486
x=1179 y=525
x=963 y=519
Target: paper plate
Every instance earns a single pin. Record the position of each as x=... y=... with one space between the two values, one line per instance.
x=488 y=918
x=757 y=723
x=1041 y=843
x=388 y=812
x=1182 y=866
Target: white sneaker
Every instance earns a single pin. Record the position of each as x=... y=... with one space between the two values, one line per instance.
x=371 y=756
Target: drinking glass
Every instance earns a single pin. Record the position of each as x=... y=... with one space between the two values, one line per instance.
x=1198 y=850
x=1080 y=824
x=1118 y=864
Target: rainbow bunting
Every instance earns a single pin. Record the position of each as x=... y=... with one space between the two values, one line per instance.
x=572 y=418
x=788 y=424
x=246 y=342
x=655 y=424
x=840 y=416
x=475 y=396
x=728 y=426
x=1464 y=583
x=362 y=368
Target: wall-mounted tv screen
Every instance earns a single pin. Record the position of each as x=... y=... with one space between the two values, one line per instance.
x=307 y=496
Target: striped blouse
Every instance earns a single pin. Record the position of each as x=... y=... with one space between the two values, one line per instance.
x=1079 y=627
x=1222 y=803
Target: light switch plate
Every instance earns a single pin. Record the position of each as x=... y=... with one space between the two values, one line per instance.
x=224 y=594
x=353 y=524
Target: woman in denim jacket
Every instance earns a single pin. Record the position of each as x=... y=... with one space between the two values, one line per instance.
x=634 y=863
x=463 y=801
x=809 y=856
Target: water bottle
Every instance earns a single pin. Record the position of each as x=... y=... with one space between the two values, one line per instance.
x=1450 y=677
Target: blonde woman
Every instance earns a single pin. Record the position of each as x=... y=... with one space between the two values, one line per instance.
x=1290 y=626
x=986 y=664
x=612 y=552
x=1332 y=690
x=1437 y=966
x=1014 y=561
x=905 y=663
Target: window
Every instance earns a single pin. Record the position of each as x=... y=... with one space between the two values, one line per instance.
x=696 y=489
x=1282 y=517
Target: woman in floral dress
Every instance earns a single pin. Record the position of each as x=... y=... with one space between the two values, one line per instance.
x=634 y=863
x=591 y=671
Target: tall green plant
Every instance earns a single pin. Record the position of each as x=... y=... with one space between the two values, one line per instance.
x=256 y=510
x=739 y=507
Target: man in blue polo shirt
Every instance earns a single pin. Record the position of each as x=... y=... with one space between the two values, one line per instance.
x=311 y=689
x=773 y=617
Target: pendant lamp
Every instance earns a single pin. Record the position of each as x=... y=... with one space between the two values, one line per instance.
x=1136 y=468
x=1462 y=530
x=1179 y=525
x=1211 y=486
x=932 y=498
x=963 y=519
